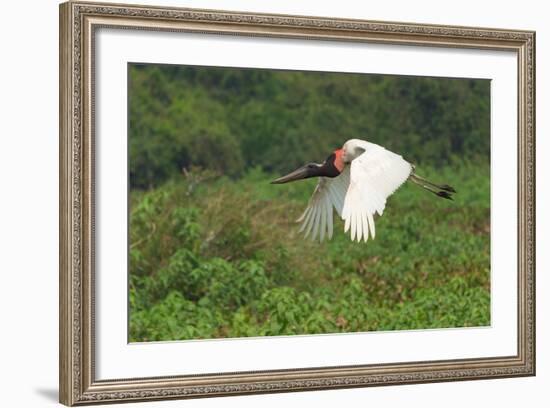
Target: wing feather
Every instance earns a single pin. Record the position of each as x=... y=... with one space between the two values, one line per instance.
x=365 y=225
x=317 y=219
x=353 y=226
x=304 y=214
x=311 y=221
x=359 y=217
x=330 y=221
x=371 y=225
x=374 y=176
x=316 y=222
x=323 y=211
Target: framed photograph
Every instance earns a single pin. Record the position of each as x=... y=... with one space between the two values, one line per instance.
x=256 y=203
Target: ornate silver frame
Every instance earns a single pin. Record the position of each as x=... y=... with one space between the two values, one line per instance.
x=78 y=22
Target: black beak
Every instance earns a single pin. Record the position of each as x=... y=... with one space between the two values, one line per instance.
x=298 y=174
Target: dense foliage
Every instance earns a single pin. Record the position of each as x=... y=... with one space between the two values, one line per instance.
x=214 y=250
x=234 y=119
x=214 y=258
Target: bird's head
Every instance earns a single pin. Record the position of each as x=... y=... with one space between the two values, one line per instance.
x=331 y=167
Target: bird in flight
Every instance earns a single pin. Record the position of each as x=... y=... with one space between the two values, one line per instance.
x=355 y=180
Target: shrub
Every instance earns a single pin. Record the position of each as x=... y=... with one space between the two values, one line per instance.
x=211 y=257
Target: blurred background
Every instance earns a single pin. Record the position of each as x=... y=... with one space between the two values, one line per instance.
x=214 y=250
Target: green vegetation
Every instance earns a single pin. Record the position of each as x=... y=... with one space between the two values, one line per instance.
x=214 y=250
x=231 y=120
x=211 y=257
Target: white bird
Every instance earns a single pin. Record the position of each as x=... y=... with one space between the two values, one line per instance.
x=356 y=181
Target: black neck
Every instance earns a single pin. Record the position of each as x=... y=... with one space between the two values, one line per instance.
x=328 y=169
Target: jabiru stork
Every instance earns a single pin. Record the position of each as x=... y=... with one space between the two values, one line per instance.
x=355 y=180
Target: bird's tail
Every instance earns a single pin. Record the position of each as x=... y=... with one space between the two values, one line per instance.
x=440 y=190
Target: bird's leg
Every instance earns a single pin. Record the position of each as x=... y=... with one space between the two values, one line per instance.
x=433 y=188
x=444 y=187
x=427 y=186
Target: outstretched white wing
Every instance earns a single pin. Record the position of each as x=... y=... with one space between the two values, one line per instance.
x=374 y=176
x=330 y=192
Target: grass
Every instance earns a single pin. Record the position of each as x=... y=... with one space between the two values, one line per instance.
x=212 y=257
